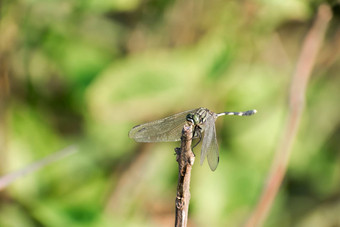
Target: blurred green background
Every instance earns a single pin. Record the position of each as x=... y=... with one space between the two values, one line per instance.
x=86 y=71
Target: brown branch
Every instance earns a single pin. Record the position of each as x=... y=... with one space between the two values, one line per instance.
x=185 y=159
x=300 y=78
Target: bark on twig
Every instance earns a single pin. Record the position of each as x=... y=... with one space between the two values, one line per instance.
x=300 y=78
x=185 y=159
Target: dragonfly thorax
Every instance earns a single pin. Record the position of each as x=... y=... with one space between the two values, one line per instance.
x=199 y=117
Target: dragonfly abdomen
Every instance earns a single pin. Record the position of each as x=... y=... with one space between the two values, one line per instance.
x=246 y=113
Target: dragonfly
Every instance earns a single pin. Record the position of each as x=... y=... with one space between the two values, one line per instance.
x=169 y=129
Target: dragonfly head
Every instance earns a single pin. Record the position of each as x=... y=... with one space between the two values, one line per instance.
x=193 y=118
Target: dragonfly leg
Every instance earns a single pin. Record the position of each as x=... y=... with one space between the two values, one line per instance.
x=198 y=131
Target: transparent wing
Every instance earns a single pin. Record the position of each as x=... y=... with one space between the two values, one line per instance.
x=163 y=130
x=209 y=145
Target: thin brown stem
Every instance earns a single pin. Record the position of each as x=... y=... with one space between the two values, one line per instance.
x=11 y=177
x=4 y=100
x=300 y=79
x=185 y=159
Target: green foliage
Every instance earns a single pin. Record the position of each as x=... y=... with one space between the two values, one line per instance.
x=85 y=72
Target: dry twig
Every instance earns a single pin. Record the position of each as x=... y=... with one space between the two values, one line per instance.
x=300 y=78
x=185 y=159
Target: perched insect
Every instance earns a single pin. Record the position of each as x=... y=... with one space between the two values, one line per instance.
x=170 y=129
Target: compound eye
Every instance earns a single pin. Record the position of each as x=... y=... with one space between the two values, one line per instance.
x=190 y=118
